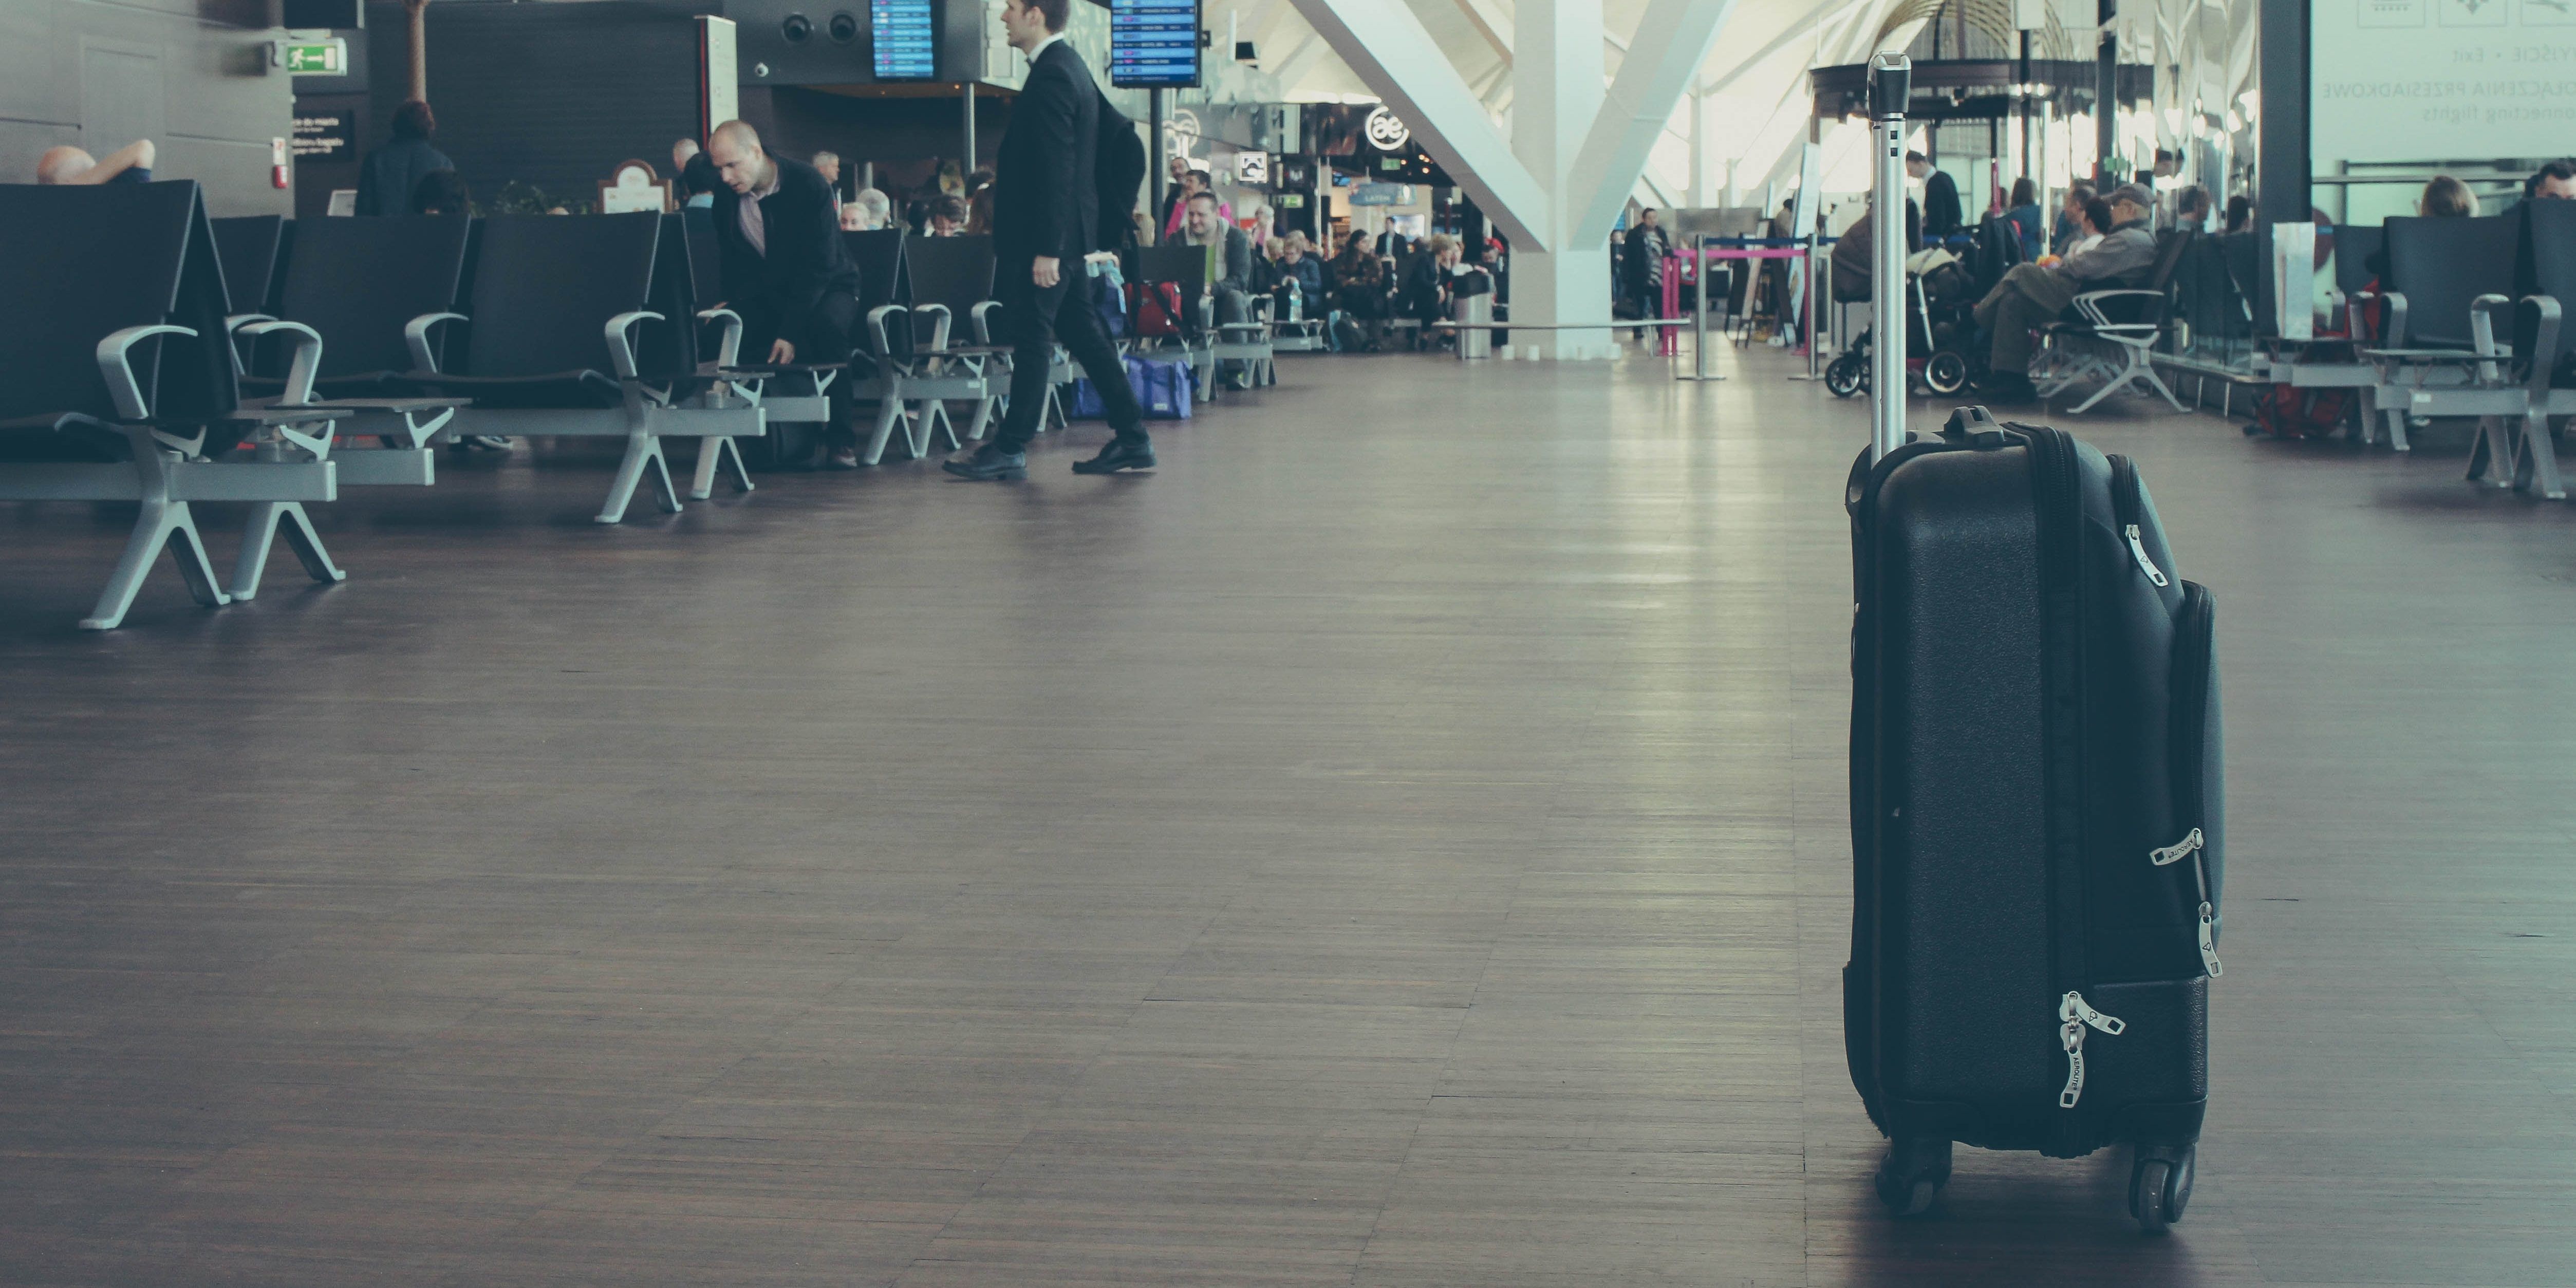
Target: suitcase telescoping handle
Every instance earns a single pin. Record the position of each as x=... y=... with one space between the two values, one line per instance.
x=1974 y=427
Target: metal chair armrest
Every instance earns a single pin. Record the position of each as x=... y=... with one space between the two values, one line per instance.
x=878 y=333
x=116 y=365
x=302 y=367
x=983 y=319
x=2544 y=340
x=940 y=323
x=621 y=346
x=416 y=338
x=728 y=349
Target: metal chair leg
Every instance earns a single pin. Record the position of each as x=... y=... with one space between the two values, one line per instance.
x=265 y=520
x=643 y=452
x=162 y=525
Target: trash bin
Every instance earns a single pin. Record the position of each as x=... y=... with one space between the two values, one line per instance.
x=1473 y=311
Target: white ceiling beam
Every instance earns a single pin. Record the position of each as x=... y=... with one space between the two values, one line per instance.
x=1294 y=67
x=1780 y=42
x=1673 y=39
x=1495 y=27
x=1386 y=46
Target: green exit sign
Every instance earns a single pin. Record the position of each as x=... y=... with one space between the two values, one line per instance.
x=315 y=57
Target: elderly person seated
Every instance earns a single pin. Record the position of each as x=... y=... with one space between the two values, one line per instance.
x=2030 y=297
x=129 y=164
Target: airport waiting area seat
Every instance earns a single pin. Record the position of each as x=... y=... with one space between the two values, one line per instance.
x=2528 y=382
x=359 y=285
x=2114 y=334
x=2433 y=348
x=918 y=368
x=563 y=340
x=117 y=384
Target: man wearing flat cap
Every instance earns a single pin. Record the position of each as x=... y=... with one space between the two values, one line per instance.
x=2030 y=297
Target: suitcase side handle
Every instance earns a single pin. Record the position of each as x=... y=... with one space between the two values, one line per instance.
x=1974 y=427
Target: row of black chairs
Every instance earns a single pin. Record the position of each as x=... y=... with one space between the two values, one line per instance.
x=270 y=360
x=2458 y=317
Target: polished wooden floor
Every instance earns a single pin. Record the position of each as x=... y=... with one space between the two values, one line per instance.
x=1400 y=843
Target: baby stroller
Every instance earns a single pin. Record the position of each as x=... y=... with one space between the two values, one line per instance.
x=1939 y=330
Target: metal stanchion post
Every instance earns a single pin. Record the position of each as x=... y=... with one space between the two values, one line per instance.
x=1807 y=292
x=1699 y=313
x=1891 y=77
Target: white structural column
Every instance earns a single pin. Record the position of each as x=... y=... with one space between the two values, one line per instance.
x=1673 y=39
x=1575 y=152
x=1385 y=44
x=1556 y=92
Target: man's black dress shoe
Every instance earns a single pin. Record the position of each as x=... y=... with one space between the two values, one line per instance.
x=988 y=465
x=1120 y=454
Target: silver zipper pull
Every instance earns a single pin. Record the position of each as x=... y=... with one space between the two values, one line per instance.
x=2075 y=1009
x=2138 y=550
x=2209 y=941
x=2178 y=851
x=2071 y=1035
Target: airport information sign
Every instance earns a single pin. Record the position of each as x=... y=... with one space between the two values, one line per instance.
x=1154 y=44
x=907 y=39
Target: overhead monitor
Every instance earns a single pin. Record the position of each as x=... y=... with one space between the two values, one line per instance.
x=1154 y=44
x=907 y=39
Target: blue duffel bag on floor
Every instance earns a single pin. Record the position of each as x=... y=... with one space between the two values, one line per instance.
x=1162 y=388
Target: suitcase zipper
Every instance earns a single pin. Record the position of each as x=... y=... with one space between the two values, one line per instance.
x=2128 y=497
x=2074 y=1015
x=2190 y=847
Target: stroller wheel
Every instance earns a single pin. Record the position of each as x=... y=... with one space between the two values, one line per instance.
x=1845 y=375
x=1946 y=373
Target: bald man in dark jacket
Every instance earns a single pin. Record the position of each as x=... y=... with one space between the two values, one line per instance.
x=786 y=269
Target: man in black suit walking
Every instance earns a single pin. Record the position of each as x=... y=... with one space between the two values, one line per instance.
x=1045 y=219
x=786 y=270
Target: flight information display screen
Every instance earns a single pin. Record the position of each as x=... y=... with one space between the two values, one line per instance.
x=907 y=39
x=1154 y=44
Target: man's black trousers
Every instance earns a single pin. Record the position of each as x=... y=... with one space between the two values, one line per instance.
x=1037 y=320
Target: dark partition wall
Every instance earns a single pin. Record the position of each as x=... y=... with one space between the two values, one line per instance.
x=553 y=95
x=191 y=75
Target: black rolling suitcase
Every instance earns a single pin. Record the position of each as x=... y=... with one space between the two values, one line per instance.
x=2035 y=813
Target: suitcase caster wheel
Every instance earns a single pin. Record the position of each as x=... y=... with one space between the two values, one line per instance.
x=1912 y=1175
x=2160 y=1187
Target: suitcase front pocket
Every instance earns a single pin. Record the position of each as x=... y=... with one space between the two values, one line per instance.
x=2198 y=786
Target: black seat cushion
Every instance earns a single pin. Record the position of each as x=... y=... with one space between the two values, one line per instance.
x=61 y=437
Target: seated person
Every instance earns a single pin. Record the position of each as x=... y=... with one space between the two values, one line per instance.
x=2447 y=198
x=2191 y=208
x=129 y=164
x=1427 y=280
x=947 y=216
x=2554 y=181
x=2070 y=219
x=1853 y=274
x=2030 y=297
x=2024 y=213
x=1230 y=268
x=441 y=192
x=1359 y=280
x=693 y=180
x=1295 y=265
x=870 y=211
x=786 y=270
